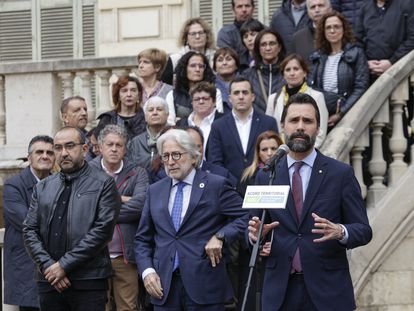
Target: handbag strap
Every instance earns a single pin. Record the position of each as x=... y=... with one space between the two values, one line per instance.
x=262 y=87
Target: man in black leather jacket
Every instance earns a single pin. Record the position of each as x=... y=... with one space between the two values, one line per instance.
x=69 y=224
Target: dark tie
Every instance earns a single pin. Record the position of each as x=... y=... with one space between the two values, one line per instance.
x=176 y=214
x=297 y=192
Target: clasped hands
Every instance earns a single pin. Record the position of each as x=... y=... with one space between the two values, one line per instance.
x=56 y=276
x=328 y=229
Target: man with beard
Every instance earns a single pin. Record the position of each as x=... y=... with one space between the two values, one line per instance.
x=74 y=112
x=69 y=224
x=325 y=215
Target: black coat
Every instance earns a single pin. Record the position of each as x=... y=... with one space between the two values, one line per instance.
x=390 y=36
x=284 y=23
x=93 y=210
x=268 y=73
x=353 y=74
x=134 y=126
x=19 y=286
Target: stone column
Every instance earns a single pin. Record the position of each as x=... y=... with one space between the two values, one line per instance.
x=356 y=159
x=87 y=93
x=398 y=143
x=103 y=104
x=2 y=113
x=67 y=83
x=377 y=165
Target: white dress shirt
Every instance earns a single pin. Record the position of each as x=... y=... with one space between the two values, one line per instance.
x=243 y=128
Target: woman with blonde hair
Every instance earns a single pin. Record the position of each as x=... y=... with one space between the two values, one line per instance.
x=266 y=146
x=151 y=64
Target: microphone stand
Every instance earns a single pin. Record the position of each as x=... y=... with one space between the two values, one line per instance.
x=256 y=246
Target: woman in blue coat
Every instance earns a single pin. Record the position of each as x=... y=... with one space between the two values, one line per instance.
x=340 y=69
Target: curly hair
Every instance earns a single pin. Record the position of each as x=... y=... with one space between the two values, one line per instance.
x=252 y=168
x=182 y=82
x=116 y=87
x=256 y=51
x=182 y=39
x=322 y=43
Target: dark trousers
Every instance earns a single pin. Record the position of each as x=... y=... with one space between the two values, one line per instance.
x=28 y=309
x=73 y=300
x=178 y=300
x=297 y=297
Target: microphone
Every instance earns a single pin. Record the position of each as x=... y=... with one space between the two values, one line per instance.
x=281 y=151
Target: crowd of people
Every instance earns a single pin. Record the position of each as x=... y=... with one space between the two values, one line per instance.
x=144 y=212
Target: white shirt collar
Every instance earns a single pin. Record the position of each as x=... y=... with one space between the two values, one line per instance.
x=188 y=179
x=34 y=174
x=249 y=117
x=114 y=173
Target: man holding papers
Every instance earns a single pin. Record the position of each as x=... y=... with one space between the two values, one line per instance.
x=325 y=214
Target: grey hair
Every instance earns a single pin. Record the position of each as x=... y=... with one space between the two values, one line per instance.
x=183 y=139
x=156 y=100
x=112 y=129
x=328 y=3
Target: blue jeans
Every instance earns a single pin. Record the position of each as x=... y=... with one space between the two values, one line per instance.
x=73 y=300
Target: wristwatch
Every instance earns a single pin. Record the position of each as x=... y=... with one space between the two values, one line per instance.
x=342 y=232
x=220 y=235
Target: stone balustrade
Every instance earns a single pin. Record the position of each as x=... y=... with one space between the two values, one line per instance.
x=372 y=137
x=31 y=94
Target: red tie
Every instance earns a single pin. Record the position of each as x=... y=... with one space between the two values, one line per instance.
x=297 y=192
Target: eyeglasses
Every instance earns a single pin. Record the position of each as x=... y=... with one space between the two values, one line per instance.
x=174 y=155
x=199 y=66
x=199 y=99
x=68 y=146
x=266 y=44
x=333 y=28
x=197 y=33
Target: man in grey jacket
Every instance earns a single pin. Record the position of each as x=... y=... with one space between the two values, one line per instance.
x=69 y=224
x=132 y=184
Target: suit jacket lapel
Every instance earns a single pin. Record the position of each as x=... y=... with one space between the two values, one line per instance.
x=233 y=129
x=253 y=132
x=199 y=184
x=315 y=181
x=164 y=200
x=282 y=178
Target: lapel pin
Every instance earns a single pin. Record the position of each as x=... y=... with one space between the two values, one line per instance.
x=320 y=171
x=201 y=185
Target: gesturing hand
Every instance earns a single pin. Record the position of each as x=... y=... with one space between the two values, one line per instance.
x=329 y=230
x=254 y=225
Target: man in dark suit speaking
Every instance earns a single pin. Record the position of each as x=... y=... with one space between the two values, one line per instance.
x=325 y=214
x=187 y=218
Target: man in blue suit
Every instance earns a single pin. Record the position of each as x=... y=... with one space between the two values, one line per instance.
x=233 y=137
x=187 y=218
x=325 y=215
x=19 y=285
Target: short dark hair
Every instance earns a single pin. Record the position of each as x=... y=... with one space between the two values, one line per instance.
x=232 y=3
x=238 y=80
x=81 y=135
x=223 y=51
x=43 y=138
x=66 y=101
x=250 y=25
x=195 y=129
x=299 y=99
x=204 y=86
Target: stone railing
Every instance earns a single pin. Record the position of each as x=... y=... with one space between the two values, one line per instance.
x=31 y=94
x=382 y=271
x=380 y=108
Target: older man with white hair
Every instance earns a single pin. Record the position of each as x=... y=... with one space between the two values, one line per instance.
x=188 y=218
